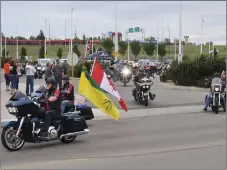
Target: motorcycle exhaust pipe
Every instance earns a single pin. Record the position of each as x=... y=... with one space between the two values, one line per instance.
x=75 y=133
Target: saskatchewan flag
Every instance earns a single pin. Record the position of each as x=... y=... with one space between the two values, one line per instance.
x=91 y=90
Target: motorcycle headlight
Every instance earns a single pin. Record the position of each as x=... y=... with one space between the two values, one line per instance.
x=126 y=71
x=43 y=69
x=38 y=68
x=144 y=87
x=216 y=89
x=12 y=109
x=147 y=87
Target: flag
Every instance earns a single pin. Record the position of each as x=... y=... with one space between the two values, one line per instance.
x=102 y=80
x=91 y=90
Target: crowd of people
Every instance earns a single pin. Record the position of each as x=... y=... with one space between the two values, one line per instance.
x=12 y=73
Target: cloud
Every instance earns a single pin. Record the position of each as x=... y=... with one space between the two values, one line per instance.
x=93 y=18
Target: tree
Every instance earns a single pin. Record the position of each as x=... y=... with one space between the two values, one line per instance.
x=108 y=45
x=23 y=52
x=84 y=39
x=42 y=52
x=150 y=39
x=3 y=36
x=211 y=43
x=76 y=50
x=12 y=38
x=59 y=53
x=161 y=50
x=149 y=48
x=136 y=48
x=31 y=38
x=41 y=36
x=99 y=38
x=215 y=52
x=21 y=38
x=122 y=47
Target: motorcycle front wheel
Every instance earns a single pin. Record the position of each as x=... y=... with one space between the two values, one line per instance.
x=10 y=141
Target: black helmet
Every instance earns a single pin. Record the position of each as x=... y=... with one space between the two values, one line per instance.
x=216 y=74
x=52 y=81
x=65 y=77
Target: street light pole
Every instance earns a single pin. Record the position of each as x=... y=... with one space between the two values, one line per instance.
x=116 y=32
x=49 y=28
x=169 y=38
x=175 y=42
x=201 y=45
x=17 y=44
x=180 y=35
x=157 y=43
x=162 y=29
x=65 y=32
x=45 y=48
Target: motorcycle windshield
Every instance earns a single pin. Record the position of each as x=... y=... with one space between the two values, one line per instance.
x=18 y=96
x=216 y=81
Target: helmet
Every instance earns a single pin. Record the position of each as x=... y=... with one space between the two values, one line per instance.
x=216 y=75
x=51 y=80
x=65 y=77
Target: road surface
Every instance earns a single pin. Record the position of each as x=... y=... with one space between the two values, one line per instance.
x=182 y=141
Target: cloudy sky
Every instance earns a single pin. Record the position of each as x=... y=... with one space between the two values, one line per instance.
x=94 y=18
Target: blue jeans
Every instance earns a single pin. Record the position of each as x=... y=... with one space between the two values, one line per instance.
x=13 y=80
x=17 y=82
x=58 y=80
x=64 y=103
x=29 y=83
x=209 y=98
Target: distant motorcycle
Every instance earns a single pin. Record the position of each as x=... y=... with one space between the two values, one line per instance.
x=39 y=71
x=142 y=92
x=125 y=76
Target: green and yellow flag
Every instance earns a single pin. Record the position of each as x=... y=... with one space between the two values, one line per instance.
x=91 y=90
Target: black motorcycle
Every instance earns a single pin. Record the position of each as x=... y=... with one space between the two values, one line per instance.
x=39 y=71
x=82 y=109
x=26 y=128
x=142 y=91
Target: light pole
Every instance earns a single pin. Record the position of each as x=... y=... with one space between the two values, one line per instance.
x=17 y=44
x=45 y=48
x=65 y=32
x=162 y=28
x=213 y=43
x=128 y=46
x=157 y=43
x=201 y=35
x=116 y=32
x=169 y=38
x=5 y=45
x=49 y=28
x=175 y=42
x=180 y=36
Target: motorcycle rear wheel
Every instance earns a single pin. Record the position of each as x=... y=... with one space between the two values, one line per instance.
x=68 y=139
x=4 y=140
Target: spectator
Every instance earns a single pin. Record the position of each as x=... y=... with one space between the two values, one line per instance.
x=13 y=76
x=48 y=71
x=30 y=72
x=58 y=72
x=6 y=74
x=18 y=74
x=65 y=67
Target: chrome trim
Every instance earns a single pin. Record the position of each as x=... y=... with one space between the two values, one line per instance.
x=21 y=123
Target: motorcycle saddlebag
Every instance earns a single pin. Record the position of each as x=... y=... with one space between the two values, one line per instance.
x=72 y=122
x=85 y=111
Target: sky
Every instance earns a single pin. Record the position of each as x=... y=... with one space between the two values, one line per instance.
x=95 y=18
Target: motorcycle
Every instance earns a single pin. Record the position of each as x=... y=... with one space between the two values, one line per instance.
x=26 y=128
x=39 y=72
x=82 y=109
x=125 y=76
x=164 y=72
x=216 y=93
x=142 y=92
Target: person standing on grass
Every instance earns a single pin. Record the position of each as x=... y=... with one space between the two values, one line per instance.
x=58 y=72
x=30 y=72
x=13 y=76
x=6 y=74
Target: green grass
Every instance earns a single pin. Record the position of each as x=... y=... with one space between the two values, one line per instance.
x=191 y=51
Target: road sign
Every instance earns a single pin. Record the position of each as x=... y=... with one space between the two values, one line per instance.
x=116 y=54
x=130 y=30
x=137 y=29
x=69 y=59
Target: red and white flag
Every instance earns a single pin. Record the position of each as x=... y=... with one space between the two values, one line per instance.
x=103 y=81
x=88 y=48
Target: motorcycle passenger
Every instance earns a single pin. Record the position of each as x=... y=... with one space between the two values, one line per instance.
x=68 y=96
x=209 y=97
x=53 y=105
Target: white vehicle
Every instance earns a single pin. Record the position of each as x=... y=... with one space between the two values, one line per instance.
x=43 y=62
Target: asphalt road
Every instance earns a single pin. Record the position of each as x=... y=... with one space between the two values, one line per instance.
x=166 y=95
x=183 y=141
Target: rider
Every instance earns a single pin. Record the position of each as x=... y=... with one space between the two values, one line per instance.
x=52 y=106
x=207 y=102
x=139 y=76
x=67 y=97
